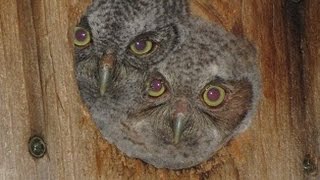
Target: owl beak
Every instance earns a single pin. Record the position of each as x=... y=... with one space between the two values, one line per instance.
x=104 y=79
x=178 y=127
x=105 y=76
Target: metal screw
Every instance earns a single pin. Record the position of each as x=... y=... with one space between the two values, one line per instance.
x=37 y=147
x=308 y=165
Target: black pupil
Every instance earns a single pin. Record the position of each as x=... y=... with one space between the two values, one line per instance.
x=81 y=35
x=140 y=45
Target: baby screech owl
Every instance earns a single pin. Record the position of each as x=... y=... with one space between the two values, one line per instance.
x=163 y=86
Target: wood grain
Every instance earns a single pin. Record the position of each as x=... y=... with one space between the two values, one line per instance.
x=39 y=96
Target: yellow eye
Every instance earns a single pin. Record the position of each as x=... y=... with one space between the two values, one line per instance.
x=214 y=96
x=141 y=47
x=81 y=36
x=156 y=88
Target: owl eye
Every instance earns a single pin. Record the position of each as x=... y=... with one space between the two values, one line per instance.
x=81 y=36
x=213 y=96
x=156 y=88
x=142 y=47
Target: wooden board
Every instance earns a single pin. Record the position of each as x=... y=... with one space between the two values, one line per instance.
x=39 y=96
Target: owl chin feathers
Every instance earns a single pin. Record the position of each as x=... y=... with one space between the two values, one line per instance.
x=161 y=85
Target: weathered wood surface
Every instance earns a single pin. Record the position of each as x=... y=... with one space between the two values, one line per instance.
x=38 y=96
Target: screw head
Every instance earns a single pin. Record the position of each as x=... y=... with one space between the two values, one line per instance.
x=37 y=147
x=308 y=165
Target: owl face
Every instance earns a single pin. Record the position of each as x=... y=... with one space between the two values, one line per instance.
x=162 y=86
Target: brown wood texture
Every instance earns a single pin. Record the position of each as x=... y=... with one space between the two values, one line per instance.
x=39 y=96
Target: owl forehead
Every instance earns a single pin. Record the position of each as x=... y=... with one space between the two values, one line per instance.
x=200 y=58
x=196 y=62
x=119 y=21
x=188 y=72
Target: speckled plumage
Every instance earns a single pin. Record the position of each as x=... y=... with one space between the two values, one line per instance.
x=191 y=54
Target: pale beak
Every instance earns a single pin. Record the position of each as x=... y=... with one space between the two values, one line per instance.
x=178 y=127
x=105 y=73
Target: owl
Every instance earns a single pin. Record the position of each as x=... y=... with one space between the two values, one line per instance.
x=164 y=86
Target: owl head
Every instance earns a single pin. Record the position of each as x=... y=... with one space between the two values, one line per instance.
x=163 y=86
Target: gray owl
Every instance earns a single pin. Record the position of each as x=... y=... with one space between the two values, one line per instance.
x=163 y=86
